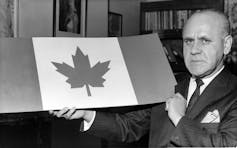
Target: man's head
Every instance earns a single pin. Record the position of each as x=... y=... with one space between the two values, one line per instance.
x=206 y=41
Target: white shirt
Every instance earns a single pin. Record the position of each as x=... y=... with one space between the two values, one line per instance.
x=193 y=84
x=87 y=125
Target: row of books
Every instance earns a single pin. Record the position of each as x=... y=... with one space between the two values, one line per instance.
x=166 y=20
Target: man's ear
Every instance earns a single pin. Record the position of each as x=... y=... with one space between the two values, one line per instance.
x=227 y=44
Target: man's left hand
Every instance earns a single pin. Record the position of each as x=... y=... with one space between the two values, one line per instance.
x=176 y=107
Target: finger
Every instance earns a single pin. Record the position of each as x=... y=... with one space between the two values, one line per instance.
x=178 y=95
x=70 y=113
x=167 y=105
x=61 y=112
x=78 y=114
x=51 y=112
x=55 y=113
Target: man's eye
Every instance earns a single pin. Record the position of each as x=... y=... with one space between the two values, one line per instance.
x=205 y=41
x=188 y=42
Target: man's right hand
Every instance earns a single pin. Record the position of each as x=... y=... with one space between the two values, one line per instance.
x=73 y=113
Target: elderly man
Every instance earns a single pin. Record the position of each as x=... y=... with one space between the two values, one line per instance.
x=203 y=112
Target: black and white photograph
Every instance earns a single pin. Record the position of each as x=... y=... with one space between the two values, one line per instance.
x=70 y=17
x=115 y=24
x=118 y=73
x=231 y=11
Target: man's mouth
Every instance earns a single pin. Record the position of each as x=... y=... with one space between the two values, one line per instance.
x=196 y=61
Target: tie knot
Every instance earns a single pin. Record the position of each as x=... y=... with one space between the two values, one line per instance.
x=199 y=82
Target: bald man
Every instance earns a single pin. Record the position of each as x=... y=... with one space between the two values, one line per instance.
x=203 y=112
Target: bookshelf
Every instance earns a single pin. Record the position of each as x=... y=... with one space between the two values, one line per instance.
x=167 y=18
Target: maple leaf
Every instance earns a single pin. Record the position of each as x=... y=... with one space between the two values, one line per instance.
x=82 y=73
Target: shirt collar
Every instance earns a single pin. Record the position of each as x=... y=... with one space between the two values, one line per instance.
x=207 y=80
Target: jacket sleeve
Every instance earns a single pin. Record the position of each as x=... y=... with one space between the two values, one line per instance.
x=223 y=134
x=127 y=127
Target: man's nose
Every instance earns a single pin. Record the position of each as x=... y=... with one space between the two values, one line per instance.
x=196 y=48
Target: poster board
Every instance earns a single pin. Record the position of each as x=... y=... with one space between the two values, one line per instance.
x=134 y=72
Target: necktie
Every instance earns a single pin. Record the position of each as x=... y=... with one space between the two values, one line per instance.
x=195 y=95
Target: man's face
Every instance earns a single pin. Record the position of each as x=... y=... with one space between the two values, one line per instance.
x=203 y=45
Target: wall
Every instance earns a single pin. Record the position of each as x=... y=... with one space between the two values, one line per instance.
x=97 y=18
x=130 y=10
x=36 y=18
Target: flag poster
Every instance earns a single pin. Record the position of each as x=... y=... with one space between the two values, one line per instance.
x=45 y=73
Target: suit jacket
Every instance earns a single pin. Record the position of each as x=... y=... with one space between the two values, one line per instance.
x=220 y=94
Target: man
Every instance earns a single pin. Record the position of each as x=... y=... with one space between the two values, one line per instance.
x=211 y=120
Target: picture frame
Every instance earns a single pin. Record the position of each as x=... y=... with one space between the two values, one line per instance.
x=230 y=9
x=9 y=21
x=115 y=22
x=70 y=17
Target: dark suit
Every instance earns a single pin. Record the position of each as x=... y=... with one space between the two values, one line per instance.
x=220 y=94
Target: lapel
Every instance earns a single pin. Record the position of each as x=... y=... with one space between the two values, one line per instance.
x=182 y=87
x=216 y=90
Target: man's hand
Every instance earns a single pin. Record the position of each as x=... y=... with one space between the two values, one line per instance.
x=176 y=107
x=72 y=113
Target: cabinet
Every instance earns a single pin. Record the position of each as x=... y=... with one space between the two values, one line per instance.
x=167 y=18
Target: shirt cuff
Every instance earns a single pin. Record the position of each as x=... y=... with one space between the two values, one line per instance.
x=87 y=125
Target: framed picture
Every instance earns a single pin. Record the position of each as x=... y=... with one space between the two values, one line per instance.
x=9 y=18
x=230 y=9
x=115 y=24
x=69 y=17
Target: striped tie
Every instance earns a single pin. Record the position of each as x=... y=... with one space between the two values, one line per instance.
x=195 y=95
